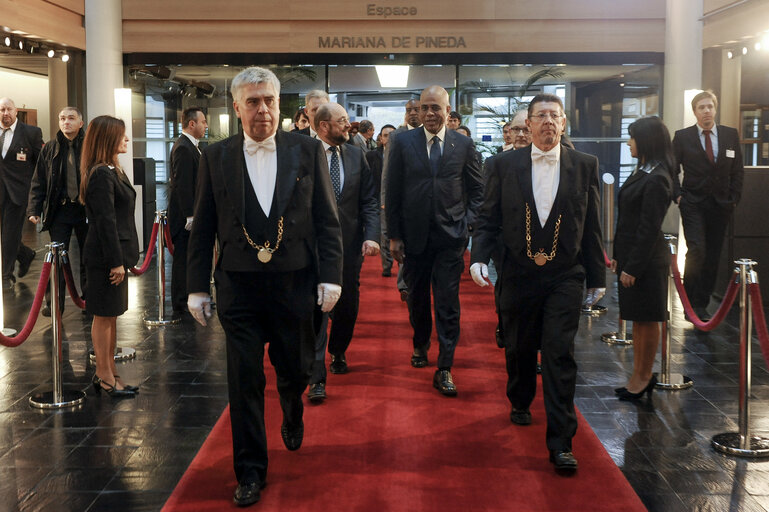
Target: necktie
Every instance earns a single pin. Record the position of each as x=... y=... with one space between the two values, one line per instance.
x=252 y=146
x=708 y=146
x=435 y=154
x=538 y=155
x=72 y=190
x=2 y=141
x=335 y=174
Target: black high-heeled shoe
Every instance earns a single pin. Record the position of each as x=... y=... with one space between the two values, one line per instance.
x=111 y=390
x=617 y=391
x=129 y=387
x=627 y=395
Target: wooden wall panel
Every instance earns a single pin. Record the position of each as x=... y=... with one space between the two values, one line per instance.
x=54 y=21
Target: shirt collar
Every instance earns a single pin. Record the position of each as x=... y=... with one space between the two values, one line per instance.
x=700 y=129
x=193 y=139
x=556 y=151
x=247 y=138
x=441 y=134
x=13 y=126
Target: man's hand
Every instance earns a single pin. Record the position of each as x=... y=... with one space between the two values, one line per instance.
x=480 y=273
x=34 y=219
x=594 y=295
x=626 y=279
x=613 y=266
x=396 y=249
x=188 y=225
x=370 y=248
x=199 y=304
x=328 y=294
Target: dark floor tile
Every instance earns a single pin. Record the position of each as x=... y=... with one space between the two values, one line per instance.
x=99 y=457
x=135 y=501
x=662 y=502
x=66 y=480
x=63 y=502
x=118 y=436
x=162 y=478
x=721 y=503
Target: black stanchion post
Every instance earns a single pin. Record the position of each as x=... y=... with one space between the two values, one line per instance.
x=57 y=398
x=666 y=379
x=743 y=443
x=161 y=219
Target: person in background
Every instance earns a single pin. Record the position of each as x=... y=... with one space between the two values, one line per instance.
x=375 y=161
x=454 y=120
x=312 y=101
x=364 y=139
x=641 y=255
x=111 y=244
x=301 y=121
x=464 y=130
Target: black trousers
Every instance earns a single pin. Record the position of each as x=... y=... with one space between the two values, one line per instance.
x=543 y=312
x=69 y=218
x=440 y=265
x=13 y=218
x=256 y=308
x=704 y=225
x=179 y=270
x=343 y=318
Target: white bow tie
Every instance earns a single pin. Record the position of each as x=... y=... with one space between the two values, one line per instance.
x=252 y=146
x=542 y=156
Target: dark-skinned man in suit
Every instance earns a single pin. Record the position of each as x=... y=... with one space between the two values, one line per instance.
x=356 y=202
x=185 y=157
x=711 y=159
x=434 y=191
x=20 y=146
x=544 y=199
x=266 y=196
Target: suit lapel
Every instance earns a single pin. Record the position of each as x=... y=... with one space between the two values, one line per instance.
x=420 y=149
x=448 y=147
x=15 y=139
x=350 y=168
x=288 y=167
x=232 y=174
x=524 y=179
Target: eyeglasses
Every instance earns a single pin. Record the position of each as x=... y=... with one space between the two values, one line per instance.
x=516 y=129
x=341 y=121
x=555 y=116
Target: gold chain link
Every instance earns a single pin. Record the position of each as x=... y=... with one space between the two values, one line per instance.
x=548 y=257
x=266 y=245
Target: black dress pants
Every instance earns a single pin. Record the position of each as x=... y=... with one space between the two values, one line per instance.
x=542 y=312
x=705 y=224
x=68 y=218
x=179 y=271
x=256 y=308
x=13 y=218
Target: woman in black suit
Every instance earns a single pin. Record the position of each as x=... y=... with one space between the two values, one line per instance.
x=111 y=244
x=641 y=256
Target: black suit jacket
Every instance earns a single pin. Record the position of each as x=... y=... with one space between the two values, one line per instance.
x=109 y=206
x=185 y=158
x=416 y=201
x=358 y=212
x=303 y=196
x=509 y=186
x=643 y=202
x=721 y=180
x=17 y=174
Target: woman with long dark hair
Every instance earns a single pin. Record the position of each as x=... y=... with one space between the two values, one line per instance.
x=641 y=256
x=111 y=244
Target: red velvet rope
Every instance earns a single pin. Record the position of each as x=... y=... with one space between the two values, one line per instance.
x=758 y=318
x=169 y=242
x=723 y=308
x=15 y=341
x=606 y=260
x=148 y=254
x=71 y=285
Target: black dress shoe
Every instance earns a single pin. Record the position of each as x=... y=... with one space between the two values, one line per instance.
x=443 y=382
x=520 y=417
x=248 y=493
x=292 y=436
x=418 y=359
x=618 y=391
x=404 y=295
x=317 y=392
x=338 y=364
x=387 y=273
x=498 y=337
x=45 y=310
x=539 y=369
x=25 y=263
x=563 y=459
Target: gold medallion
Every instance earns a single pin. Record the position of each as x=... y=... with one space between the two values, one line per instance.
x=264 y=255
x=540 y=259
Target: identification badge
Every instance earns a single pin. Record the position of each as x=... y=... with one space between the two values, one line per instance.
x=21 y=156
x=729 y=153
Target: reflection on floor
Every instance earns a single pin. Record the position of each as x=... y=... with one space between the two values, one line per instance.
x=128 y=455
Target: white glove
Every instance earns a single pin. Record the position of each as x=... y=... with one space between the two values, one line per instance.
x=594 y=295
x=188 y=225
x=328 y=294
x=480 y=273
x=199 y=304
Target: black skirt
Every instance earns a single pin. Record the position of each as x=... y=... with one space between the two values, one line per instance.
x=102 y=297
x=646 y=300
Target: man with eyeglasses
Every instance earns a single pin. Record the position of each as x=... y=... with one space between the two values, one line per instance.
x=544 y=200
x=515 y=133
x=434 y=191
x=356 y=203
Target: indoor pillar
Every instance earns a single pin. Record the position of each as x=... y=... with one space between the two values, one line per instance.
x=683 y=59
x=57 y=92
x=731 y=83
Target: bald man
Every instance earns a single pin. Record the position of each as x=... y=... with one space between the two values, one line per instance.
x=434 y=191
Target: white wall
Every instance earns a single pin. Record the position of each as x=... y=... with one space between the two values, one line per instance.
x=28 y=91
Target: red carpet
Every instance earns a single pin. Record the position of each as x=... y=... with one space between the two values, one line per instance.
x=385 y=440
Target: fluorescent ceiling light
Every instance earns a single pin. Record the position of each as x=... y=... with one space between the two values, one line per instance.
x=393 y=76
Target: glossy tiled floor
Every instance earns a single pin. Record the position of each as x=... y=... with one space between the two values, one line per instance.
x=128 y=455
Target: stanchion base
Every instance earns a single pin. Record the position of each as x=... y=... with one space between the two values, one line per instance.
x=676 y=381
x=594 y=310
x=69 y=398
x=730 y=443
x=158 y=321
x=9 y=332
x=614 y=338
x=121 y=354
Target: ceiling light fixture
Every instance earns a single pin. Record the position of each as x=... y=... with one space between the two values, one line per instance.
x=51 y=53
x=7 y=41
x=730 y=54
x=65 y=58
x=744 y=50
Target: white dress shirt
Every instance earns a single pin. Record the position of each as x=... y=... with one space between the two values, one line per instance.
x=545 y=177
x=713 y=140
x=262 y=169
x=328 y=161
x=194 y=141
x=441 y=135
x=8 y=137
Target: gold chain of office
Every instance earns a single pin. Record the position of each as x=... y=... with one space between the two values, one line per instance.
x=540 y=258
x=265 y=251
